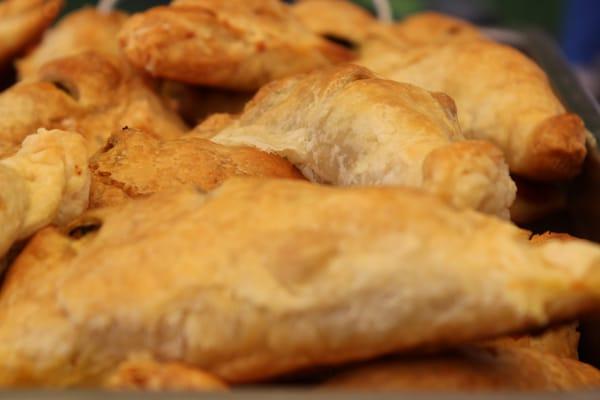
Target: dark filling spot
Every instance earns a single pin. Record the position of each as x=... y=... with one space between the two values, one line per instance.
x=84 y=229
x=341 y=41
x=63 y=87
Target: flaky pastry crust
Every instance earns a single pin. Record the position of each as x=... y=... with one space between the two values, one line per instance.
x=345 y=126
x=135 y=164
x=46 y=181
x=235 y=44
x=22 y=22
x=501 y=95
x=81 y=31
x=262 y=277
x=472 y=369
x=86 y=93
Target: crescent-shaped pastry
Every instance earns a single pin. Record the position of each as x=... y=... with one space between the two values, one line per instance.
x=46 y=181
x=472 y=369
x=345 y=126
x=136 y=164
x=22 y=22
x=261 y=277
x=81 y=31
x=234 y=44
x=86 y=93
x=501 y=96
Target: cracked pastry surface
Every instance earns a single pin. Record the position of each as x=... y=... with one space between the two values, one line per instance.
x=46 y=181
x=345 y=126
x=135 y=164
x=262 y=277
x=23 y=21
x=86 y=93
x=501 y=95
x=234 y=44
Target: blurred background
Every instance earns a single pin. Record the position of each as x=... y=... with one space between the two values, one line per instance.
x=575 y=24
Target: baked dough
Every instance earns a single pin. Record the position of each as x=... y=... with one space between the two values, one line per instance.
x=473 y=369
x=337 y=20
x=235 y=44
x=135 y=164
x=562 y=341
x=261 y=277
x=431 y=28
x=46 y=182
x=141 y=372
x=501 y=95
x=22 y=22
x=86 y=93
x=345 y=126
x=81 y=31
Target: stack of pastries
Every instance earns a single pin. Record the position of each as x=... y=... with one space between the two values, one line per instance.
x=216 y=193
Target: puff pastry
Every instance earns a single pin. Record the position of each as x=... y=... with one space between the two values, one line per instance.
x=47 y=181
x=235 y=44
x=22 y=22
x=473 y=369
x=80 y=31
x=260 y=277
x=501 y=95
x=135 y=164
x=86 y=93
x=336 y=20
x=562 y=341
x=347 y=127
x=431 y=28
x=141 y=372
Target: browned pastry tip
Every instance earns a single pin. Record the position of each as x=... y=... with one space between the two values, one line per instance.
x=557 y=149
x=136 y=164
x=240 y=45
x=144 y=373
x=22 y=22
x=475 y=368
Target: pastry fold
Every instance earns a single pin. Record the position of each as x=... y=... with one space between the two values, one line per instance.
x=136 y=164
x=262 y=277
x=234 y=44
x=46 y=181
x=345 y=126
x=501 y=96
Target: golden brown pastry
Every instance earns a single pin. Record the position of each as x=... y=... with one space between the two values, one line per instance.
x=46 y=181
x=141 y=372
x=81 y=31
x=562 y=341
x=86 y=93
x=431 y=27
x=22 y=22
x=135 y=164
x=473 y=368
x=501 y=95
x=261 y=277
x=345 y=126
x=336 y=20
x=234 y=44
